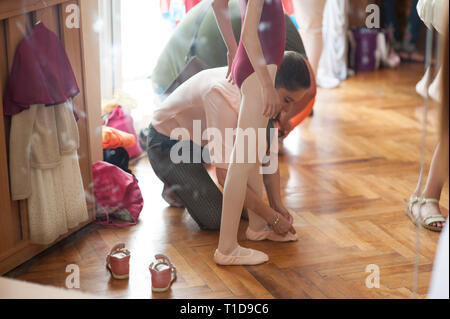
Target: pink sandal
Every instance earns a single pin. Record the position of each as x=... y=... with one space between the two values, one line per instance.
x=163 y=273
x=118 y=262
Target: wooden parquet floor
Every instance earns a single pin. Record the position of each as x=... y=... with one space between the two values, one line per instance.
x=345 y=173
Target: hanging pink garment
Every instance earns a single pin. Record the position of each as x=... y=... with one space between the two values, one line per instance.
x=41 y=73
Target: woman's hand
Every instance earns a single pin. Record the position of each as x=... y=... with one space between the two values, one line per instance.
x=284 y=212
x=283 y=227
x=272 y=103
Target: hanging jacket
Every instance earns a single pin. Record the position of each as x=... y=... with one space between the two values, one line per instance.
x=39 y=137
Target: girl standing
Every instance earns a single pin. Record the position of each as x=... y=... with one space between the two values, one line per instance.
x=252 y=66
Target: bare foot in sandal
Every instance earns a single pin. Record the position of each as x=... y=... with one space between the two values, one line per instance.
x=427 y=212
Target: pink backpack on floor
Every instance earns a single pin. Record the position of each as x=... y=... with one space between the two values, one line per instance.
x=121 y=121
x=118 y=196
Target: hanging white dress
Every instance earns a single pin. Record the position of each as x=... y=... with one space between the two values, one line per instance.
x=44 y=169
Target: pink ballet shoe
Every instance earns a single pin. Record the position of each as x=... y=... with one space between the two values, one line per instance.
x=268 y=234
x=163 y=273
x=241 y=257
x=118 y=262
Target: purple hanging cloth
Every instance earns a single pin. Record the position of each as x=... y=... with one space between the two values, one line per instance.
x=41 y=73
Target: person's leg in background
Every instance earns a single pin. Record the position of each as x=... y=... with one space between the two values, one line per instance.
x=433 y=188
x=309 y=15
x=411 y=36
x=428 y=13
x=389 y=9
x=413 y=28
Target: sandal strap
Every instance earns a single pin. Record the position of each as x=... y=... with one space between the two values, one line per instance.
x=163 y=260
x=428 y=201
x=411 y=202
x=433 y=219
x=116 y=249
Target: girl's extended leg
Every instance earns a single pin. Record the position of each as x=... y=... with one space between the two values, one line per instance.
x=433 y=189
x=309 y=15
x=250 y=119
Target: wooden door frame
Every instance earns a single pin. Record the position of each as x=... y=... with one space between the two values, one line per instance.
x=91 y=72
x=110 y=47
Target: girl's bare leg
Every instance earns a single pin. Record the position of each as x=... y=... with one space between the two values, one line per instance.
x=433 y=188
x=250 y=117
x=309 y=14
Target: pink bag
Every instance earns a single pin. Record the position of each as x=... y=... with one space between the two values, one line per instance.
x=117 y=195
x=124 y=122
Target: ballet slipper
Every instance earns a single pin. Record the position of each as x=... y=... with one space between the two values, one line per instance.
x=435 y=88
x=268 y=234
x=421 y=87
x=241 y=257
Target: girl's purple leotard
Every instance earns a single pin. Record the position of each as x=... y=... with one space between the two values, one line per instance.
x=272 y=36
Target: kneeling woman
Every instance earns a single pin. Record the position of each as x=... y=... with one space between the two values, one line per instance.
x=209 y=99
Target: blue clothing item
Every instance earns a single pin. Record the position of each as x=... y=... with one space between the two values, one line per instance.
x=409 y=41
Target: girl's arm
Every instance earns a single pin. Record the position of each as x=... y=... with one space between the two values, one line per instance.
x=250 y=39
x=222 y=14
x=273 y=189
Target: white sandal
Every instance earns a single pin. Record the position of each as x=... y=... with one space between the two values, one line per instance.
x=427 y=221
